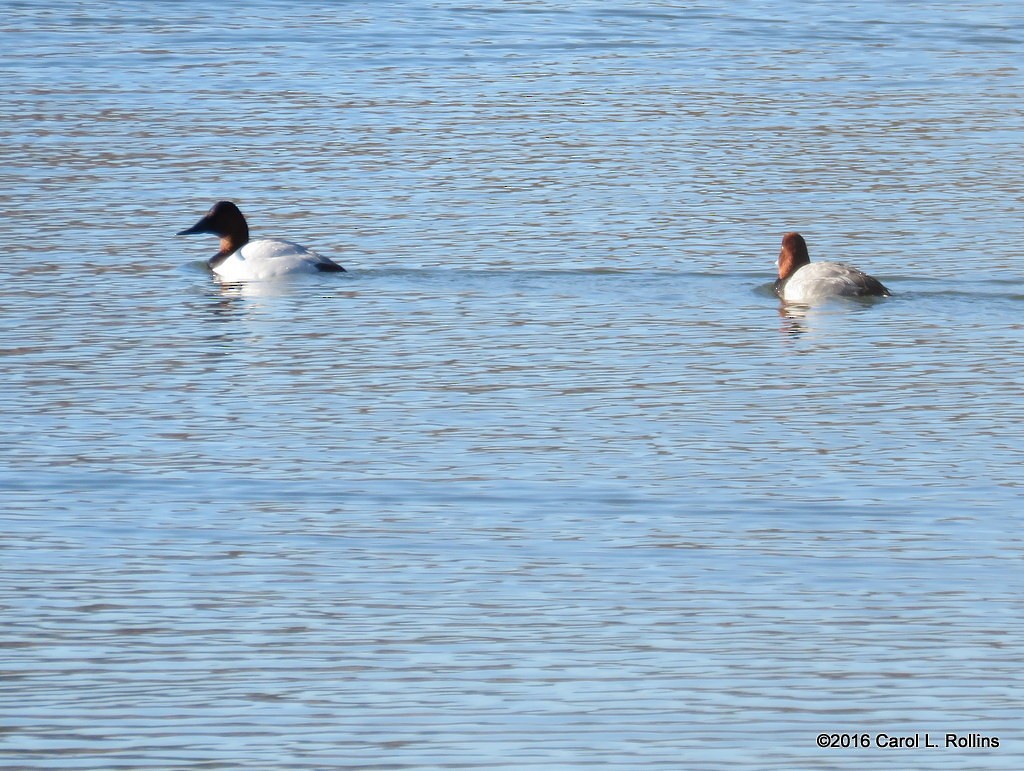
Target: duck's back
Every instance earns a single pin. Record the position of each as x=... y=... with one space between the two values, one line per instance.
x=268 y=258
x=820 y=280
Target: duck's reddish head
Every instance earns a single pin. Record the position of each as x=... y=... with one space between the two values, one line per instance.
x=794 y=255
x=225 y=220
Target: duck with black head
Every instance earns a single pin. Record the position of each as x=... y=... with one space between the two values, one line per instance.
x=240 y=259
x=804 y=282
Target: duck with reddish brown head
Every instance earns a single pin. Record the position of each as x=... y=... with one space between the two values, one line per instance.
x=240 y=259
x=803 y=282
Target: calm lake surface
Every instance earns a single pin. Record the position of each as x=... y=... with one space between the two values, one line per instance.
x=549 y=478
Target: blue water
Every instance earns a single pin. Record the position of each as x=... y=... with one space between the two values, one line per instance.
x=549 y=478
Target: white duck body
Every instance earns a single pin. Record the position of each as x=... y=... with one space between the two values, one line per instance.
x=268 y=258
x=821 y=280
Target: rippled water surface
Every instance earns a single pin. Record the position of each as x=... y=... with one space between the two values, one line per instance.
x=548 y=478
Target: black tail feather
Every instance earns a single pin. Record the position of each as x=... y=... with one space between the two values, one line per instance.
x=329 y=267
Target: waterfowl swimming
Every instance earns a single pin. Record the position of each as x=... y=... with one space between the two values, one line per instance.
x=803 y=281
x=240 y=259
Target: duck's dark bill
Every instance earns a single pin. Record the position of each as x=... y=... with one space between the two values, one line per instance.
x=203 y=226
